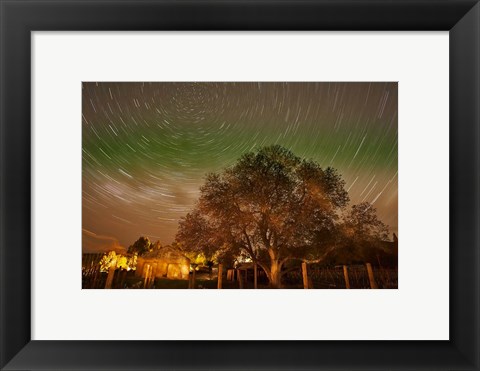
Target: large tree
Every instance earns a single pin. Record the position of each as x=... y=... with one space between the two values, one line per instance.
x=271 y=206
x=140 y=246
x=364 y=236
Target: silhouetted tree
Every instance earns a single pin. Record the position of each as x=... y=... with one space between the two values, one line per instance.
x=272 y=206
x=140 y=246
x=364 y=235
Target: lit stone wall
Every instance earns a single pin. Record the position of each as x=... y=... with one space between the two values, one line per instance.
x=164 y=268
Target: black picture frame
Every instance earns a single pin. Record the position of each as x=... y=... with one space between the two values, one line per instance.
x=18 y=18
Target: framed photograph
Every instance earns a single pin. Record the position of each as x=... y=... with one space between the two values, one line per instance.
x=233 y=185
x=239 y=185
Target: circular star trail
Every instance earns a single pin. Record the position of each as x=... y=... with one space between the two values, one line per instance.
x=147 y=147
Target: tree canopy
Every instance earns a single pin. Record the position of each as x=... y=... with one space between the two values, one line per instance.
x=271 y=206
x=142 y=246
x=362 y=238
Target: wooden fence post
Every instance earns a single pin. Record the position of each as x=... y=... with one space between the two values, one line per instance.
x=371 y=278
x=345 y=274
x=255 y=275
x=146 y=272
x=150 y=278
x=154 y=271
x=220 y=272
x=111 y=273
x=239 y=279
x=123 y=277
x=193 y=279
x=305 y=275
x=116 y=284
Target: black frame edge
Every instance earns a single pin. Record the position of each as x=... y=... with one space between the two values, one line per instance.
x=269 y=15
x=15 y=183
x=465 y=184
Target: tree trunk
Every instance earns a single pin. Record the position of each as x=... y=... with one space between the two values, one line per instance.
x=275 y=275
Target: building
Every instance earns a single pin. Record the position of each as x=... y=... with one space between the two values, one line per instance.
x=165 y=262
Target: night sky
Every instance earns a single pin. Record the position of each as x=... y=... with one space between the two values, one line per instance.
x=147 y=146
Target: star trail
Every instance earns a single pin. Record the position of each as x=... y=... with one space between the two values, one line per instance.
x=146 y=147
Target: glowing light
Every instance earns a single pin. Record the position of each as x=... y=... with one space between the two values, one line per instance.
x=112 y=259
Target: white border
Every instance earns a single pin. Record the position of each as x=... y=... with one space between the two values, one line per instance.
x=418 y=310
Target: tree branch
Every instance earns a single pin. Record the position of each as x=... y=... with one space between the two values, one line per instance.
x=320 y=259
x=249 y=245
